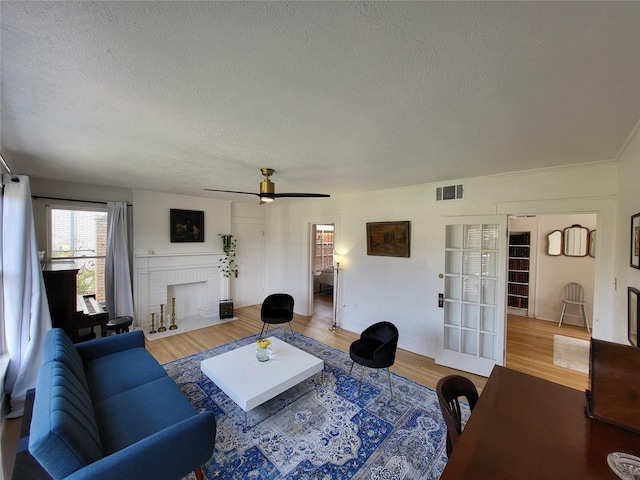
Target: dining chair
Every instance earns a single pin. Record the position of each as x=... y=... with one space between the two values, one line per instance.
x=574 y=295
x=449 y=390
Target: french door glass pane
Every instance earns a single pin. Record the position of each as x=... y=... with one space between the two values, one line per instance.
x=489 y=318
x=452 y=313
x=452 y=339
x=469 y=342
x=490 y=237
x=470 y=291
x=454 y=237
x=453 y=263
x=489 y=291
x=488 y=346
x=471 y=263
x=470 y=316
x=472 y=237
x=452 y=288
x=489 y=264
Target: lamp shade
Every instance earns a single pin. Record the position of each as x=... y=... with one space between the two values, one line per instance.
x=338 y=258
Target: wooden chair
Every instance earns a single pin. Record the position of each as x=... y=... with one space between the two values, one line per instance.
x=449 y=390
x=574 y=295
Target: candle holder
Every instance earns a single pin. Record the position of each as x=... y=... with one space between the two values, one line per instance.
x=153 y=324
x=162 y=328
x=173 y=314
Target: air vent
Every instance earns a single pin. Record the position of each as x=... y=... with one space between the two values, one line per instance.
x=450 y=192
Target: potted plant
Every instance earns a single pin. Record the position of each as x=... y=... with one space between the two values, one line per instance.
x=228 y=263
x=228 y=268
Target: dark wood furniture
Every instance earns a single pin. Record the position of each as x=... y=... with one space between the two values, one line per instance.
x=615 y=384
x=526 y=427
x=60 y=280
x=449 y=390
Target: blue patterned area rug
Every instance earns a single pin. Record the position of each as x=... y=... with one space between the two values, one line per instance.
x=321 y=430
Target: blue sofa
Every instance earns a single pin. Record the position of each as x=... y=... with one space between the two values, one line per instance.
x=106 y=409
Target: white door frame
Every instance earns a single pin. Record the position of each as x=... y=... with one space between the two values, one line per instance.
x=309 y=234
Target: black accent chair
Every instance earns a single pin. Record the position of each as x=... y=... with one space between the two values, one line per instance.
x=450 y=389
x=276 y=309
x=376 y=348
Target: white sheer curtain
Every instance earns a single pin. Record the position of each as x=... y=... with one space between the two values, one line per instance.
x=26 y=311
x=117 y=275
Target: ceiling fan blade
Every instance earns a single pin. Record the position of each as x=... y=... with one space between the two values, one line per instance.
x=317 y=195
x=230 y=191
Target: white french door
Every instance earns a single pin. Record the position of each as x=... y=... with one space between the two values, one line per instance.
x=472 y=335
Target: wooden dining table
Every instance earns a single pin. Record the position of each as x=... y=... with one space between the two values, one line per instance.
x=525 y=427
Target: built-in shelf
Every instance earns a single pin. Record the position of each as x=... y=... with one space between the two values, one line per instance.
x=518 y=271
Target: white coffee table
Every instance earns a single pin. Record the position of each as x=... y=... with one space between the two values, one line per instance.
x=249 y=382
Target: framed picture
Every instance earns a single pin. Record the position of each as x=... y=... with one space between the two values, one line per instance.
x=186 y=225
x=388 y=239
x=635 y=241
x=633 y=309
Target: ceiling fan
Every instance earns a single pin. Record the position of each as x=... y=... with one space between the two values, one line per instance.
x=268 y=190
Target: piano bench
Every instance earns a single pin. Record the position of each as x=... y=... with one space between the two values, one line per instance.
x=119 y=324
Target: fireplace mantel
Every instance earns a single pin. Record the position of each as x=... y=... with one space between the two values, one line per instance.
x=154 y=274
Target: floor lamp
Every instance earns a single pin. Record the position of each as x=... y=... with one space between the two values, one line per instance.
x=334 y=328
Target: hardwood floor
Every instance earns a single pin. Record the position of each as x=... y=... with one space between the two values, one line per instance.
x=529 y=349
x=529 y=345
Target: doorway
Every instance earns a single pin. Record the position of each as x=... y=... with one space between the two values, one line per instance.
x=535 y=285
x=322 y=266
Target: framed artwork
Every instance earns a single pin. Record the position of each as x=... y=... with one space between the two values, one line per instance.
x=186 y=225
x=635 y=241
x=388 y=239
x=633 y=309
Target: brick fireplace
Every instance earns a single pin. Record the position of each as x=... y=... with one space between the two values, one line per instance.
x=194 y=280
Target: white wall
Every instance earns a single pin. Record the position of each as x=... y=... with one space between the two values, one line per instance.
x=405 y=290
x=151 y=222
x=554 y=272
x=628 y=204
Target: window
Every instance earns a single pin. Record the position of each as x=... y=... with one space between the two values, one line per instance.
x=324 y=246
x=81 y=235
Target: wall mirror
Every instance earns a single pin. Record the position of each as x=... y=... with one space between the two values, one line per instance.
x=554 y=243
x=592 y=243
x=576 y=241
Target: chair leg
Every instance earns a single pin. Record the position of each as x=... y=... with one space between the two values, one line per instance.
x=361 y=375
x=584 y=317
x=390 y=389
x=564 y=307
x=261 y=331
x=199 y=474
x=351 y=369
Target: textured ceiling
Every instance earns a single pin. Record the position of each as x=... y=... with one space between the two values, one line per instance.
x=336 y=96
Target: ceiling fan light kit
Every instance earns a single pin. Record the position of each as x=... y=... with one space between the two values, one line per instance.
x=268 y=190
x=267 y=187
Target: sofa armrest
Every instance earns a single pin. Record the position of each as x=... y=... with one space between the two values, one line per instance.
x=171 y=453
x=100 y=347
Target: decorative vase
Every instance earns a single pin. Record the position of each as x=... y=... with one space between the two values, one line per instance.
x=263 y=353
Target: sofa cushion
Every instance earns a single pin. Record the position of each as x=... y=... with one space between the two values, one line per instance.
x=59 y=347
x=140 y=412
x=116 y=373
x=64 y=435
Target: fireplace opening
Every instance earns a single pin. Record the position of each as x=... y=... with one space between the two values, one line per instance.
x=191 y=299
